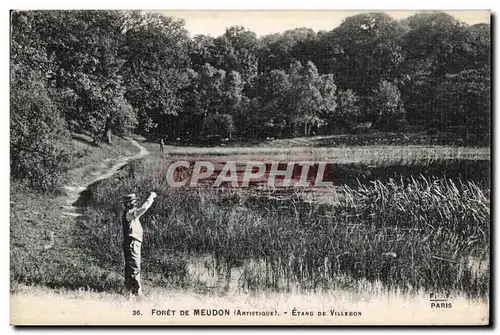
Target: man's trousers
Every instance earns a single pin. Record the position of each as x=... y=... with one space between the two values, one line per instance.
x=132 y=252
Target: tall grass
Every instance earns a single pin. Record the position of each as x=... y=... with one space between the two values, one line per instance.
x=418 y=233
x=36 y=260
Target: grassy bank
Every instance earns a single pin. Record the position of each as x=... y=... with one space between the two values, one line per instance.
x=90 y=157
x=42 y=250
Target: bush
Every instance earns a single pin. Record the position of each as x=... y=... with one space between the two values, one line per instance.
x=37 y=137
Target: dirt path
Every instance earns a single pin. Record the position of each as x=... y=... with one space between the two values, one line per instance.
x=73 y=192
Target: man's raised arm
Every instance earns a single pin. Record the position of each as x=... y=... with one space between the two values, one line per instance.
x=145 y=206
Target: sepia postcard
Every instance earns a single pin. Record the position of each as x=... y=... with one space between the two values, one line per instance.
x=258 y=167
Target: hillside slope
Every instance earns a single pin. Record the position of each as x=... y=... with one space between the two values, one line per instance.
x=41 y=250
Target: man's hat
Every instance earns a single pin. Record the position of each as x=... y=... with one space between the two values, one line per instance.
x=129 y=198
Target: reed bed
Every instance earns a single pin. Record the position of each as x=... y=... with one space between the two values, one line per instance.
x=412 y=234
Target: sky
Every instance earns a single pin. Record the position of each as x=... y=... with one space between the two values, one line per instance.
x=214 y=22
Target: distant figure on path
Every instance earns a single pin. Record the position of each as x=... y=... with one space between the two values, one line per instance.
x=162 y=145
x=132 y=241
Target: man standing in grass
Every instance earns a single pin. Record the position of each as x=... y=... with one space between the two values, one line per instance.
x=132 y=241
x=162 y=145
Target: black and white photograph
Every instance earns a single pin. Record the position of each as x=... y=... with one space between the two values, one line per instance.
x=250 y=167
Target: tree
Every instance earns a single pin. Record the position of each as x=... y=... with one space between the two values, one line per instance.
x=155 y=70
x=213 y=92
x=38 y=137
x=269 y=111
x=205 y=95
x=430 y=41
x=347 y=113
x=312 y=97
x=234 y=100
x=462 y=105
x=220 y=124
x=365 y=49
x=278 y=51
x=37 y=130
x=255 y=121
x=232 y=92
x=107 y=72
x=202 y=50
x=304 y=97
x=236 y=50
x=86 y=47
x=471 y=48
x=388 y=113
x=435 y=44
x=329 y=99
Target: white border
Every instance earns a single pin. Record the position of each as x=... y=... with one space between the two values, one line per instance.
x=188 y=4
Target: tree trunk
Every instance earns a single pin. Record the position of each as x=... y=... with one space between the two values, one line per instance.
x=108 y=135
x=107 y=130
x=205 y=113
x=290 y=126
x=203 y=119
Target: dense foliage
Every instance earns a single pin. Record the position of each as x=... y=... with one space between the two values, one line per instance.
x=107 y=72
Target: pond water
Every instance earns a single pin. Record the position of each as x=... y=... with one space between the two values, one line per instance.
x=337 y=175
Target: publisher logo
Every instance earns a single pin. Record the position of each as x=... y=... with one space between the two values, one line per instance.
x=440 y=300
